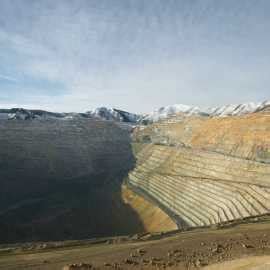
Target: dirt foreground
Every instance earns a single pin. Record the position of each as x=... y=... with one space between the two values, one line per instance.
x=206 y=248
x=248 y=263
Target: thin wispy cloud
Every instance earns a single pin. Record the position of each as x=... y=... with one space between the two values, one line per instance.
x=8 y=78
x=135 y=55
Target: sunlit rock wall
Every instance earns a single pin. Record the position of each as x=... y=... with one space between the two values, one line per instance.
x=205 y=171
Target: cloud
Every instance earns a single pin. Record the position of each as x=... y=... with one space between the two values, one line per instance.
x=135 y=55
x=8 y=78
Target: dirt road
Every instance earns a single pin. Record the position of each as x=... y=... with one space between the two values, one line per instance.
x=187 y=250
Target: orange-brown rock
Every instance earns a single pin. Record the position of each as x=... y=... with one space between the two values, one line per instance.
x=205 y=170
x=152 y=217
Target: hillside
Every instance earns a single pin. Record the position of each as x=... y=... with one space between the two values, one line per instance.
x=204 y=171
x=151 y=216
x=63 y=172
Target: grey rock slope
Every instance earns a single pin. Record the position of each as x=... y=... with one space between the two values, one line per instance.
x=62 y=180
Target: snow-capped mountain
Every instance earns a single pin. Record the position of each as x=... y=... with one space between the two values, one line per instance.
x=237 y=109
x=222 y=111
x=124 y=117
x=114 y=114
x=101 y=113
x=169 y=111
x=24 y=114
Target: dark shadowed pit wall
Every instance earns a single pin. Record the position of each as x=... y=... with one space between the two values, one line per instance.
x=61 y=179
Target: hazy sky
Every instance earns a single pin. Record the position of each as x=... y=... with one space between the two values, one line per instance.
x=74 y=55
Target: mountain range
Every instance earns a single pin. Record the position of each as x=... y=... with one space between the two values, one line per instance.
x=112 y=114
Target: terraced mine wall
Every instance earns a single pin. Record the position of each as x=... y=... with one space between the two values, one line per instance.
x=204 y=178
x=151 y=214
x=247 y=137
x=61 y=179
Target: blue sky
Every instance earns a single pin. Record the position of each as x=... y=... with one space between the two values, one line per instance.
x=74 y=55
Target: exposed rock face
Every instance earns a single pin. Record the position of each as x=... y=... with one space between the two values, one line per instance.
x=61 y=149
x=206 y=170
x=246 y=137
x=152 y=217
x=62 y=180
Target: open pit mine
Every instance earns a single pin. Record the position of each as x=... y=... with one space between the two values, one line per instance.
x=204 y=171
x=78 y=178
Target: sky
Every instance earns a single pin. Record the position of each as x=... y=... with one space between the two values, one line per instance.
x=135 y=55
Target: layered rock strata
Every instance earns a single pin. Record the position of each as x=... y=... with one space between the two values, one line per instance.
x=205 y=171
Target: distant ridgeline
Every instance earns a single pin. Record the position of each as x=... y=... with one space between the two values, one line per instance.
x=162 y=113
x=102 y=113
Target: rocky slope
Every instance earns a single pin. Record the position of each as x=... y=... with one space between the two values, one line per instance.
x=151 y=216
x=63 y=172
x=63 y=180
x=203 y=170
